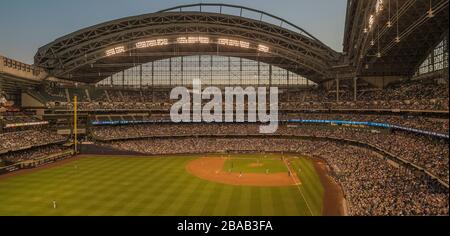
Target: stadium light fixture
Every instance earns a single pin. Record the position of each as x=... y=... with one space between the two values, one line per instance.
x=182 y=40
x=244 y=44
x=379 y=7
x=371 y=21
x=263 y=48
x=115 y=51
x=233 y=43
x=203 y=40
x=223 y=41
x=193 y=40
x=152 y=43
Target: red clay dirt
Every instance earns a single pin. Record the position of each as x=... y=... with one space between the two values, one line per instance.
x=334 y=201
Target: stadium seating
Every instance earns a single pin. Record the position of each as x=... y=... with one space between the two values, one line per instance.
x=366 y=178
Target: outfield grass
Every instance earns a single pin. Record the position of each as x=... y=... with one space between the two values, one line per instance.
x=312 y=188
x=130 y=186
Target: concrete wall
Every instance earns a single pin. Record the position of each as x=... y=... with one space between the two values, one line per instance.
x=382 y=81
x=29 y=101
x=20 y=70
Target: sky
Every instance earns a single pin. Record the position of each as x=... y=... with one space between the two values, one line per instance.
x=26 y=25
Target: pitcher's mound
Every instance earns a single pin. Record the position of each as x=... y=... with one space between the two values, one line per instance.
x=211 y=169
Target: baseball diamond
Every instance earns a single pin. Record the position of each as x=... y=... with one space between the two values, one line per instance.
x=169 y=185
x=319 y=108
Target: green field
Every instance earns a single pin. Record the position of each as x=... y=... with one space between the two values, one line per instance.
x=133 y=186
x=246 y=164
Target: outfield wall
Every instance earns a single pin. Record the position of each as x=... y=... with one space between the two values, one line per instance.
x=94 y=149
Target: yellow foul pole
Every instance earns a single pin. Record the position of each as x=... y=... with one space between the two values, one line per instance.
x=75 y=121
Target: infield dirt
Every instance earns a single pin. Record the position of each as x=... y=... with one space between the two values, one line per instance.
x=212 y=169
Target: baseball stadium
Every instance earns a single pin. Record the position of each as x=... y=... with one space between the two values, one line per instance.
x=88 y=128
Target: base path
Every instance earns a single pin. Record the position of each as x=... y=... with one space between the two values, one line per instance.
x=211 y=169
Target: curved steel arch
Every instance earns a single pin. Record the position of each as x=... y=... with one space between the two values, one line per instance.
x=262 y=14
x=79 y=53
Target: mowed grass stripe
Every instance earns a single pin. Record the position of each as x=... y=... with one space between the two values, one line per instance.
x=132 y=185
x=267 y=206
x=151 y=167
x=98 y=183
x=211 y=200
x=255 y=201
x=193 y=200
x=223 y=201
x=143 y=186
x=162 y=178
x=311 y=185
x=166 y=189
x=314 y=189
x=116 y=188
x=44 y=201
x=171 y=191
x=278 y=202
x=234 y=203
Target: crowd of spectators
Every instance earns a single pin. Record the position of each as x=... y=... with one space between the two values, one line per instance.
x=430 y=124
x=410 y=95
x=31 y=154
x=372 y=185
x=410 y=105
x=429 y=153
x=17 y=118
x=438 y=125
x=13 y=141
x=3 y=100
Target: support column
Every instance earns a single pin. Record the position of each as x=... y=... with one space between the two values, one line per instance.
x=211 y=70
x=270 y=75
x=446 y=50
x=229 y=71
x=140 y=76
x=182 y=70
x=355 y=89
x=170 y=71
x=153 y=82
x=259 y=73
x=123 y=79
x=240 y=75
x=153 y=75
x=288 y=78
x=337 y=88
